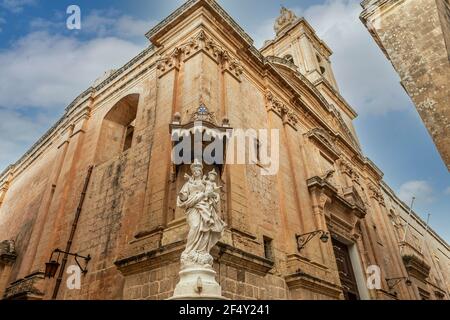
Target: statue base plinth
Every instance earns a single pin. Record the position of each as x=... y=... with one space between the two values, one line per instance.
x=197 y=283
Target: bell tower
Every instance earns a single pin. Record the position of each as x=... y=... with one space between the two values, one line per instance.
x=296 y=41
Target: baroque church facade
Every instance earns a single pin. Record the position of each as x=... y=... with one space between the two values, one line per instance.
x=101 y=182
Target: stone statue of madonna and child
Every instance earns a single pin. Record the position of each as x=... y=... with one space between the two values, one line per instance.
x=200 y=198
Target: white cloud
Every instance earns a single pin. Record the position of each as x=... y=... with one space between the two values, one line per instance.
x=18 y=132
x=42 y=72
x=48 y=71
x=109 y=22
x=99 y=23
x=366 y=78
x=16 y=6
x=421 y=190
x=46 y=24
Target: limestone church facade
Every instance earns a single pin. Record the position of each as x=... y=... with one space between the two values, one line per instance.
x=101 y=182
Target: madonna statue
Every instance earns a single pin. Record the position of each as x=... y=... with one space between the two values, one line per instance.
x=200 y=199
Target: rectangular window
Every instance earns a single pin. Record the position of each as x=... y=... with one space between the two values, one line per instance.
x=268 y=250
x=128 y=138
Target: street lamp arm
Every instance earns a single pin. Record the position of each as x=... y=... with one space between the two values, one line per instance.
x=303 y=239
x=76 y=255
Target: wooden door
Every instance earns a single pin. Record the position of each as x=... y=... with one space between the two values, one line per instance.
x=345 y=269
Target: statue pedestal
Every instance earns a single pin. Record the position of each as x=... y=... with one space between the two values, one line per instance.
x=198 y=283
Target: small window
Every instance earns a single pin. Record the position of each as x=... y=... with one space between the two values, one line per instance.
x=258 y=150
x=289 y=58
x=128 y=137
x=318 y=58
x=322 y=70
x=268 y=250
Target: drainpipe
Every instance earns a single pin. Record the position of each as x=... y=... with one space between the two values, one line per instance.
x=72 y=234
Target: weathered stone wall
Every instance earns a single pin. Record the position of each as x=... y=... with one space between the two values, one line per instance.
x=417 y=242
x=129 y=224
x=413 y=35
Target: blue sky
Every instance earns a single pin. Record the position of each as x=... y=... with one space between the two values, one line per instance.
x=44 y=66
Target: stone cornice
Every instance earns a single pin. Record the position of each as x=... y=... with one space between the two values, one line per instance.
x=242 y=259
x=29 y=288
x=189 y=6
x=416 y=266
x=146 y=53
x=282 y=61
x=303 y=81
x=5 y=176
x=348 y=109
x=321 y=137
x=370 y=166
x=301 y=279
x=171 y=254
x=372 y=7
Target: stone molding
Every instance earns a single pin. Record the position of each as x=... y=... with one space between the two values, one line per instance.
x=321 y=138
x=282 y=61
x=241 y=259
x=29 y=288
x=171 y=254
x=327 y=192
x=8 y=253
x=309 y=282
x=416 y=267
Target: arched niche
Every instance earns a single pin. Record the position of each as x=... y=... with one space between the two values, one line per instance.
x=117 y=131
x=201 y=129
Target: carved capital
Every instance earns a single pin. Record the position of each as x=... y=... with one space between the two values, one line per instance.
x=201 y=42
x=375 y=193
x=288 y=116
x=273 y=104
x=346 y=167
x=170 y=61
